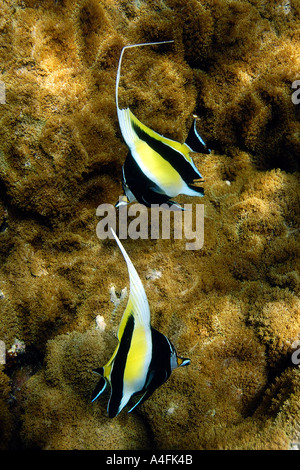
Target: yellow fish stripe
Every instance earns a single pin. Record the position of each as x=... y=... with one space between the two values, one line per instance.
x=153 y=164
x=143 y=358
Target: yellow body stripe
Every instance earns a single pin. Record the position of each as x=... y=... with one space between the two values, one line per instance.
x=151 y=163
x=162 y=172
x=182 y=148
x=108 y=366
x=128 y=311
x=138 y=353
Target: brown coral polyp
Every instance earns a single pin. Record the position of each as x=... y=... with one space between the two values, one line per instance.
x=232 y=306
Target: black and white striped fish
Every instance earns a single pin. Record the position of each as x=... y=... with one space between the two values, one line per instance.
x=143 y=359
x=156 y=168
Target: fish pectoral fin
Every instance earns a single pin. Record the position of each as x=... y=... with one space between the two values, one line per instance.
x=157 y=190
x=175 y=206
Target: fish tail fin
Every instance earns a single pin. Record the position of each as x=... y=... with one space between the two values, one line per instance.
x=195 y=141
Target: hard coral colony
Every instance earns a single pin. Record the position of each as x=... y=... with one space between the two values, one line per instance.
x=233 y=306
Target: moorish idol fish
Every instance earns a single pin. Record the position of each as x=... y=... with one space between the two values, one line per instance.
x=143 y=359
x=156 y=167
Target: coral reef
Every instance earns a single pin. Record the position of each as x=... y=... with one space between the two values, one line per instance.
x=6 y=417
x=65 y=417
x=233 y=306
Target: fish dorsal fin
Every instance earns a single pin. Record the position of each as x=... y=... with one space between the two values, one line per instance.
x=120 y=61
x=125 y=116
x=137 y=305
x=129 y=124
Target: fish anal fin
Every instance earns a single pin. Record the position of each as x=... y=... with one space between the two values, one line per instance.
x=100 y=387
x=141 y=400
x=157 y=189
x=155 y=379
x=115 y=404
x=150 y=387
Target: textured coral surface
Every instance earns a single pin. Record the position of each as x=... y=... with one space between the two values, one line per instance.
x=233 y=306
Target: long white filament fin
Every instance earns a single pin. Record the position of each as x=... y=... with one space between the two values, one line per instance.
x=120 y=61
x=137 y=292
